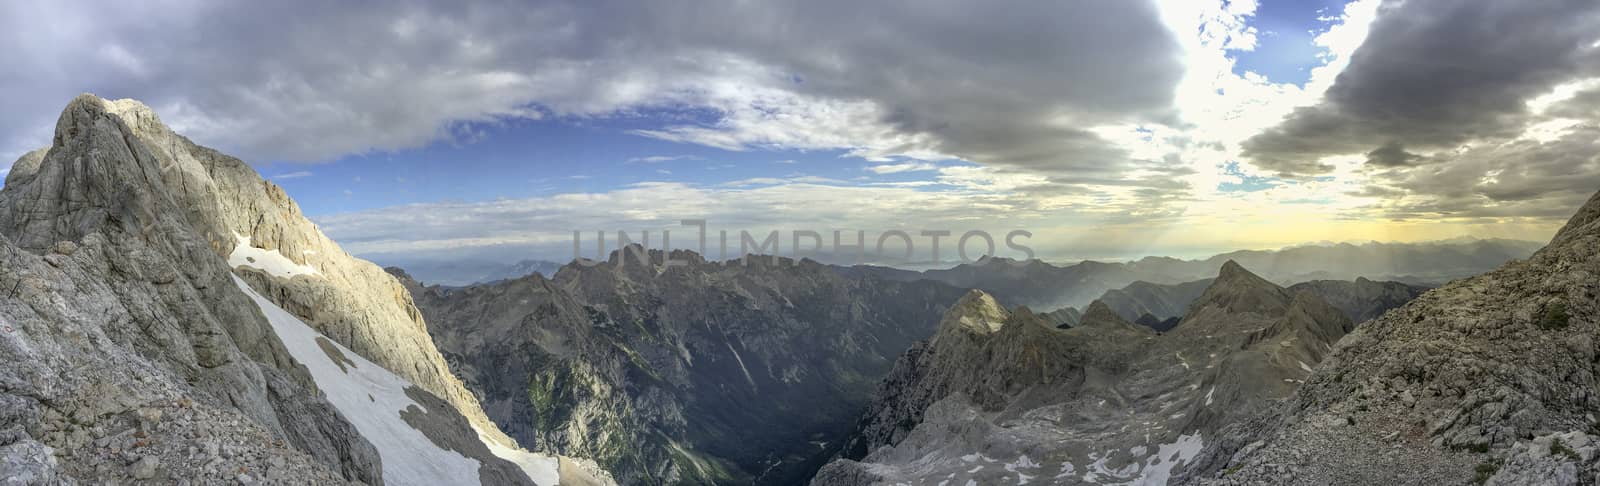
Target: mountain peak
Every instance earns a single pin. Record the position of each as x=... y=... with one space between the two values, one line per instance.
x=86 y=110
x=977 y=311
x=1238 y=290
x=1098 y=311
x=1234 y=274
x=1100 y=315
x=78 y=117
x=1232 y=269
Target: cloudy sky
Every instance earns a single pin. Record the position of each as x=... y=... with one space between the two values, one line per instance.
x=1107 y=128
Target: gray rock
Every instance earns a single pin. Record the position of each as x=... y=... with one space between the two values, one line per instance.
x=122 y=314
x=145 y=467
x=999 y=396
x=1466 y=373
x=28 y=462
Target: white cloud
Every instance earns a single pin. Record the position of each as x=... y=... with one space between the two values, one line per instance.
x=293 y=175
x=901 y=167
x=656 y=159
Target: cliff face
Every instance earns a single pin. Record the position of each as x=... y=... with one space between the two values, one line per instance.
x=122 y=243
x=1002 y=396
x=1486 y=379
x=117 y=310
x=701 y=373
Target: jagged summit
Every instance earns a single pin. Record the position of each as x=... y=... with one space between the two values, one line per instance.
x=1231 y=270
x=977 y=311
x=1238 y=290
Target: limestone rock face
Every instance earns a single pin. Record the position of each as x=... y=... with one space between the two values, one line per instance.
x=1461 y=380
x=1017 y=400
x=705 y=372
x=118 y=246
x=115 y=307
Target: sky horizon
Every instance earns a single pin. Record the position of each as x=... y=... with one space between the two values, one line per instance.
x=1106 y=129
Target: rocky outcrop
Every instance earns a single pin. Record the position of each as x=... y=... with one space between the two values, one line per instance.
x=119 y=253
x=1001 y=396
x=1362 y=300
x=1159 y=301
x=1467 y=382
x=693 y=373
x=117 y=312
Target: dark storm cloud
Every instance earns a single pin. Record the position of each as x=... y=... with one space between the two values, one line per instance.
x=1434 y=74
x=1524 y=177
x=998 y=84
x=1391 y=154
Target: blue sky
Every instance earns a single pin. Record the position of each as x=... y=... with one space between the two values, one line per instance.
x=530 y=158
x=1286 y=30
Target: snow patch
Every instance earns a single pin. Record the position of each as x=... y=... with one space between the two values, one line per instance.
x=1159 y=467
x=1303 y=366
x=1155 y=470
x=270 y=261
x=371 y=398
x=1022 y=463
x=541 y=468
x=1209 y=393
x=1066 y=470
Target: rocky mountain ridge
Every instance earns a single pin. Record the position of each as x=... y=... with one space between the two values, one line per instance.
x=1018 y=400
x=137 y=347
x=1485 y=380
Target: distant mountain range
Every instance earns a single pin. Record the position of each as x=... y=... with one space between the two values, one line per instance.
x=1158 y=306
x=1045 y=286
x=457 y=273
x=1042 y=285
